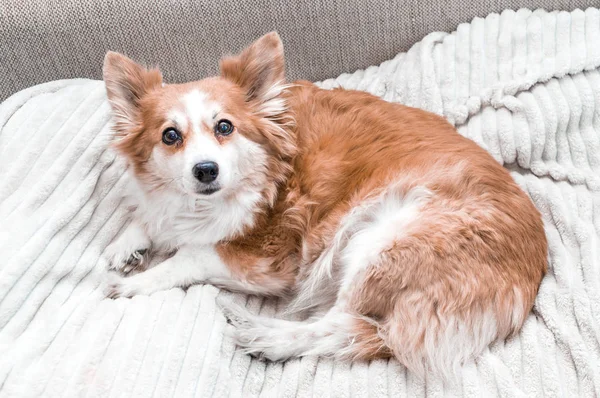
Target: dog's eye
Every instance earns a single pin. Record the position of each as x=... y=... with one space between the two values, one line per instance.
x=224 y=127
x=170 y=136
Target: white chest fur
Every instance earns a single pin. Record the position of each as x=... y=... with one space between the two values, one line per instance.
x=172 y=220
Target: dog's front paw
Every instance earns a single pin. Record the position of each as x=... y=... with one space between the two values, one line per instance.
x=130 y=251
x=126 y=261
x=115 y=286
x=119 y=286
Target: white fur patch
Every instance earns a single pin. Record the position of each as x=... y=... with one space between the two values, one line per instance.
x=172 y=219
x=178 y=118
x=386 y=224
x=273 y=103
x=362 y=234
x=199 y=109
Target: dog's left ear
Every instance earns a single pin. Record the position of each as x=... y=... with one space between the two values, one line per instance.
x=258 y=69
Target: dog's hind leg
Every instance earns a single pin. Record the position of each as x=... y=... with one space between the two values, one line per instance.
x=337 y=334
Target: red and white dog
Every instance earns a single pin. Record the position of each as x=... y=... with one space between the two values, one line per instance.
x=396 y=234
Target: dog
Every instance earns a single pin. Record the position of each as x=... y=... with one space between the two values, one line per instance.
x=391 y=233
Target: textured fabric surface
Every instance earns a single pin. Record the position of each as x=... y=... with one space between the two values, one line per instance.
x=526 y=86
x=43 y=40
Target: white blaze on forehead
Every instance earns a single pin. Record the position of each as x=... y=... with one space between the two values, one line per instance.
x=199 y=109
x=179 y=118
x=203 y=148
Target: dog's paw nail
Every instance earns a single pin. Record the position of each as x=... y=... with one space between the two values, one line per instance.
x=137 y=257
x=112 y=292
x=126 y=263
x=259 y=356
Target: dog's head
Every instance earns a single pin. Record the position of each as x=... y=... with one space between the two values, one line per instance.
x=207 y=138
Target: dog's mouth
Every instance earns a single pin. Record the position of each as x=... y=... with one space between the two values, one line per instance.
x=209 y=190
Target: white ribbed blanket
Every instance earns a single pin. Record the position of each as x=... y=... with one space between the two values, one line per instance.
x=525 y=85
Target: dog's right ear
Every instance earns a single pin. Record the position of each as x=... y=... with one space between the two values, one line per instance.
x=126 y=83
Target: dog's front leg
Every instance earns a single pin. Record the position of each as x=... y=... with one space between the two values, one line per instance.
x=187 y=267
x=192 y=265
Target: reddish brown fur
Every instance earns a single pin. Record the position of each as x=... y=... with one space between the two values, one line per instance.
x=477 y=241
x=480 y=237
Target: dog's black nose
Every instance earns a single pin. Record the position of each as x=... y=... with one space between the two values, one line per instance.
x=206 y=171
